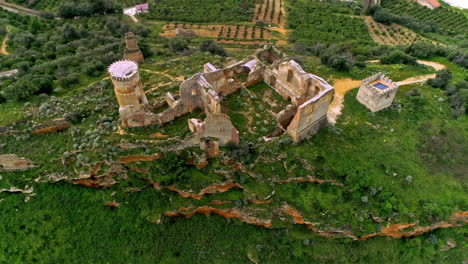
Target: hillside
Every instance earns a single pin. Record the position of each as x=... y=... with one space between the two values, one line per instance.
x=78 y=184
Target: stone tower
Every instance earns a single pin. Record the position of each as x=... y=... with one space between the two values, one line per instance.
x=377 y=92
x=132 y=51
x=133 y=105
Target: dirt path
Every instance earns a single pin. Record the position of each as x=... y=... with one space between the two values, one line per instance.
x=173 y=79
x=3 y=47
x=4 y=43
x=19 y=9
x=422 y=78
x=342 y=86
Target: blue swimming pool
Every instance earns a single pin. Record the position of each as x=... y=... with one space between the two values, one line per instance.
x=381 y=86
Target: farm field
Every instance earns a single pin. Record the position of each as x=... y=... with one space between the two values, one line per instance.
x=450 y=20
x=241 y=34
x=315 y=22
x=270 y=12
x=393 y=34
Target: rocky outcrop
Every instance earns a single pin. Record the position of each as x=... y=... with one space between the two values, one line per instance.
x=11 y=162
x=53 y=126
x=235 y=212
x=414 y=229
x=309 y=179
x=136 y=158
x=100 y=177
x=214 y=188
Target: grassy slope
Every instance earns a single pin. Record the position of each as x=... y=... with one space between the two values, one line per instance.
x=65 y=223
x=70 y=224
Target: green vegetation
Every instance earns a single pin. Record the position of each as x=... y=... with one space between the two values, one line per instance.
x=405 y=164
x=332 y=22
x=444 y=20
x=55 y=56
x=203 y=10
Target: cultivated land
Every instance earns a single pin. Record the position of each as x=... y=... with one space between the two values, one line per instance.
x=388 y=187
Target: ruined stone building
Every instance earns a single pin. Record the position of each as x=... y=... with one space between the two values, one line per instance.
x=309 y=96
x=377 y=92
x=132 y=51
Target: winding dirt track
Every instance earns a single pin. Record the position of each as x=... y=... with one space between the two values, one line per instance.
x=19 y=9
x=4 y=43
x=3 y=47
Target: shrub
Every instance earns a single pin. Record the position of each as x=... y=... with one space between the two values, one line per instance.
x=178 y=45
x=397 y=57
x=384 y=17
x=213 y=48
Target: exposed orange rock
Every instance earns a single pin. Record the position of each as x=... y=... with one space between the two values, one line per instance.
x=135 y=158
x=397 y=230
x=53 y=126
x=214 y=188
x=198 y=165
x=256 y=201
x=217 y=202
x=394 y=231
x=309 y=179
x=11 y=162
x=143 y=171
x=107 y=179
x=158 y=135
x=113 y=204
x=155 y=184
x=235 y=212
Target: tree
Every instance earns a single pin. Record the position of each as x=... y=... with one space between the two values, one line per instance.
x=398 y=57
x=178 y=45
x=384 y=17
x=21 y=89
x=213 y=48
x=68 y=10
x=69 y=32
x=441 y=80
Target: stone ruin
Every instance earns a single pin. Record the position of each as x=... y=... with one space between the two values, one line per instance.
x=187 y=33
x=132 y=51
x=309 y=96
x=377 y=92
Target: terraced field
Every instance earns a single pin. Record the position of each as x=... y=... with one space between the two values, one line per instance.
x=223 y=33
x=269 y=11
x=393 y=34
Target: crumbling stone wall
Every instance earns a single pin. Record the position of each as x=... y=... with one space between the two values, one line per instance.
x=310 y=116
x=217 y=126
x=132 y=51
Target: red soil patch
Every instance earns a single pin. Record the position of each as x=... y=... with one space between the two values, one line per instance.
x=135 y=158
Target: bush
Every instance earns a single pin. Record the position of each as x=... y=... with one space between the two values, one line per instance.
x=213 y=48
x=21 y=89
x=178 y=45
x=398 y=57
x=441 y=80
x=384 y=17
x=70 y=79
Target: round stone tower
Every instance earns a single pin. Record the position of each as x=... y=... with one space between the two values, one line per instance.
x=127 y=87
